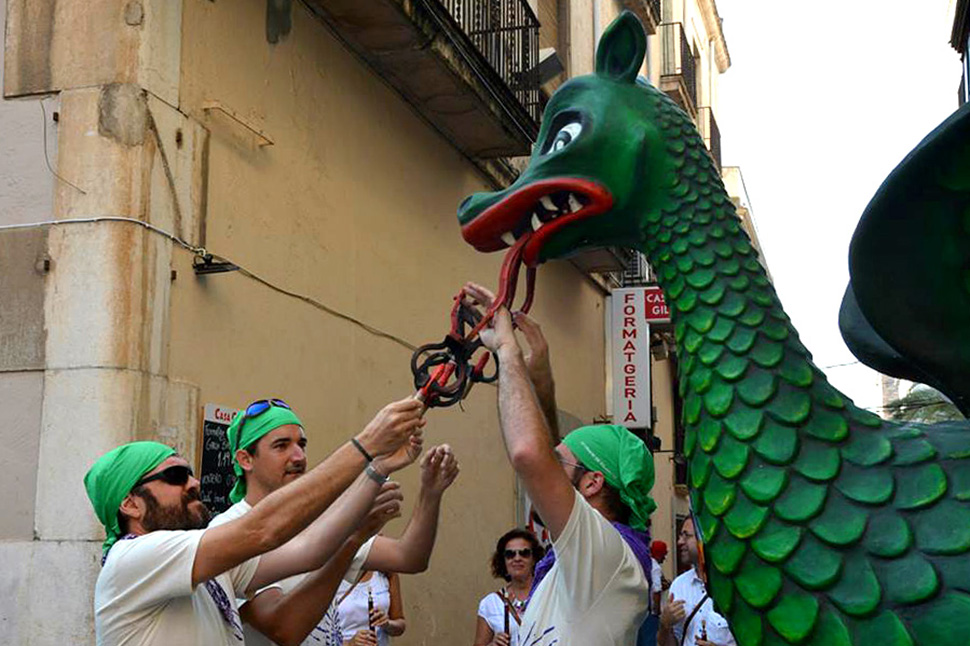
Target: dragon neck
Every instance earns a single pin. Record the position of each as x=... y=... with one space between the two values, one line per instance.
x=757 y=412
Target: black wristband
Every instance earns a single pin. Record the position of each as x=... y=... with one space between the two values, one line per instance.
x=360 y=447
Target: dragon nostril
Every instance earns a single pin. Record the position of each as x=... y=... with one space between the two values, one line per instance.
x=464 y=203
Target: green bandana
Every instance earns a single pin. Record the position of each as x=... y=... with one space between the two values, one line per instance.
x=114 y=475
x=625 y=462
x=252 y=429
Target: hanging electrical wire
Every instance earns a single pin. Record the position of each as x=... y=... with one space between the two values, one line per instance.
x=202 y=252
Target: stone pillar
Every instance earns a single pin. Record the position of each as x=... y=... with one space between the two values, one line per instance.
x=84 y=308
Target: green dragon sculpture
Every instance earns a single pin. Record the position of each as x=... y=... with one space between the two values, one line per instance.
x=822 y=523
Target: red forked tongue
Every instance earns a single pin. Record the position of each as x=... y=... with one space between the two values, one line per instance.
x=452 y=377
x=508 y=280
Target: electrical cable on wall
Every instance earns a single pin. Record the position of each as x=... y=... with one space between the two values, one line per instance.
x=203 y=253
x=198 y=251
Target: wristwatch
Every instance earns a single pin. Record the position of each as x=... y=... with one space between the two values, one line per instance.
x=375 y=475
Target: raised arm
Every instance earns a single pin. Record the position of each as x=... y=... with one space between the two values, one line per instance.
x=312 y=548
x=528 y=440
x=539 y=367
x=287 y=511
x=411 y=552
x=287 y=619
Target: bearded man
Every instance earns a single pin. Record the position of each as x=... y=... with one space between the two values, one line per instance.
x=167 y=580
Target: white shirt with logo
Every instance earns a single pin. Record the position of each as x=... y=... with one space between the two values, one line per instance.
x=596 y=594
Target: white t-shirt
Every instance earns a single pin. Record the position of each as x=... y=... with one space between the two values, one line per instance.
x=492 y=609
x=689 y=588
x=595 y=595
x=353 y=609
x=327 y=630
x=144 y=594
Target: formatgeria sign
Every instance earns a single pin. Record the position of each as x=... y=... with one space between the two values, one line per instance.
x=631 y=358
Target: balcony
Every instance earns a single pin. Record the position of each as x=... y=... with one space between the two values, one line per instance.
x=707 y=126
x=506 y=33
x=678 y=77
x=648 y=11
x=467 y=66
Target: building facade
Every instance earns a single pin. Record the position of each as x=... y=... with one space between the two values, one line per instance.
x=960 y=40
x=321 y=148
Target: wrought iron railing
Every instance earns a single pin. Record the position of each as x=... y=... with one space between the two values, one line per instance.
x=678 y=59
x=655 y=7
x=707 y=125
x=506 y=33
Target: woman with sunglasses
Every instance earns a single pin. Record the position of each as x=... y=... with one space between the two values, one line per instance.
x=500 y=612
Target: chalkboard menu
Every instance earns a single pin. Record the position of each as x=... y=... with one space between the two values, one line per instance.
x=215 y=462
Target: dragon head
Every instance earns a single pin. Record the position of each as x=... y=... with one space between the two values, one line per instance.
x=598 y=169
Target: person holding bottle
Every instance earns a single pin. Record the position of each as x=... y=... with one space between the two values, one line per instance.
x=371 y=611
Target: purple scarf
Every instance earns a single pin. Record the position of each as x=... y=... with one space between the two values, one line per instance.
x=639 y=542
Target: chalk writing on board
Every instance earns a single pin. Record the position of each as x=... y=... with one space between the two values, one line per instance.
x=215 y=463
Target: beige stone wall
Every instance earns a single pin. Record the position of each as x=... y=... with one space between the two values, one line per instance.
x=671 y=500
x=354 y=205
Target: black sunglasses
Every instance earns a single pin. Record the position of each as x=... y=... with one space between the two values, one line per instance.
x=176 y=475
x=525 y=553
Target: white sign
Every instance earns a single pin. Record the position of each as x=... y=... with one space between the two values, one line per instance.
x=631 y=359
x=219 y=414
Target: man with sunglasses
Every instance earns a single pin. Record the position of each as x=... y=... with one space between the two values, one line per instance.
x=269 y=453
x=591 y=491
x=168 y=580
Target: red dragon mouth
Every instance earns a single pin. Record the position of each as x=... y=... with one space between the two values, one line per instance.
x=536 y=212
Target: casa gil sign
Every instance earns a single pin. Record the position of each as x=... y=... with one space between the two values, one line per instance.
x=631 y=358
x=655 y=306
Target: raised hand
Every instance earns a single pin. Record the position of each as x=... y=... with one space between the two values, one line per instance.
x=481 y=295
x=539 y=367
x=404 y=456
x=439 y=468
x=499 y=331
x=537 y=353
x=386 y=507
x=392 y=427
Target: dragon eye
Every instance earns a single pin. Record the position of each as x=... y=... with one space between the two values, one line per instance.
x=565 y=136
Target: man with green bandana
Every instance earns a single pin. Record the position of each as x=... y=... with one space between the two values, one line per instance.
x=168 y=580
x=591 y=491
x=269 y=454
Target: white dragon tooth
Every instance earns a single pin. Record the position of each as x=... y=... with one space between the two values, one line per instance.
x=536 y=222
x=547 y=203
x=508 y=238
x=574 y=203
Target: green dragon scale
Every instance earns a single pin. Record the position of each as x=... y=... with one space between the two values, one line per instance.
x=822 y=523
